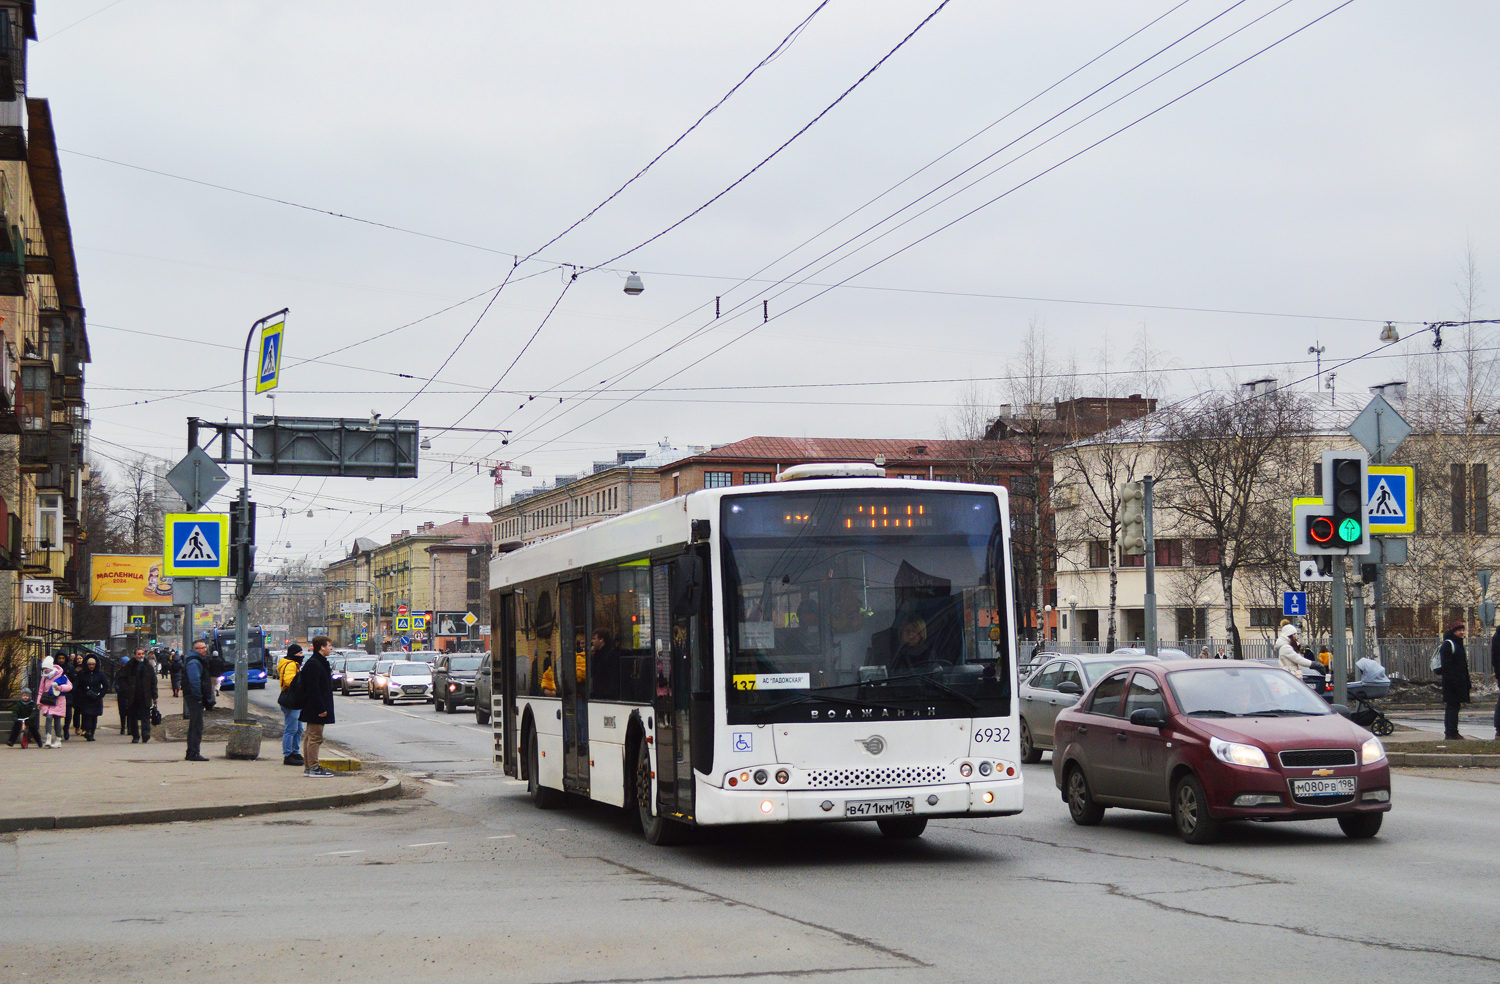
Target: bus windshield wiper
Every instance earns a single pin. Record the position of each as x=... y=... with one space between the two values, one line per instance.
x=810 y=697
x=927 y=679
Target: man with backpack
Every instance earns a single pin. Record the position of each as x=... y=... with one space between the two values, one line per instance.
x=1456 y=683
x=291 y=734
x=197 y=694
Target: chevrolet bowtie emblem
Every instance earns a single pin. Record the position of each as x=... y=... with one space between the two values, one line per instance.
x=873 y=744
x=1322 y=772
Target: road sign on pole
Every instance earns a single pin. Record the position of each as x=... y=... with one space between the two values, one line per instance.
x=1391 y=489
x=197 y=478
x=1379 y=429
x=197 y=545
x=269 y=375
x=1294 y=603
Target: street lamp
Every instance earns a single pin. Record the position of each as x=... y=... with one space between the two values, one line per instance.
x=1046 y=619
x=1072 y=601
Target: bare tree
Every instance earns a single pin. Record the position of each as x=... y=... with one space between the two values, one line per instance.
x=1225 y=461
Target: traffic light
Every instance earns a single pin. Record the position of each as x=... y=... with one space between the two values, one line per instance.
x=1133 y=518
x=242 y=557
x=1347 y=495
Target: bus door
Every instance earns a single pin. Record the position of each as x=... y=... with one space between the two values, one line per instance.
x=503 y=677
x=680 y=583
x=573 y=650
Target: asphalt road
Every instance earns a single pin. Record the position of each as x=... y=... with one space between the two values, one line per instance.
x=466 y=881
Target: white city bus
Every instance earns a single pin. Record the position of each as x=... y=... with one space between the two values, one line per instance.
x=819 y=649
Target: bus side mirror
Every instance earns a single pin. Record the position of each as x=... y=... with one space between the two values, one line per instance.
x=687 y=583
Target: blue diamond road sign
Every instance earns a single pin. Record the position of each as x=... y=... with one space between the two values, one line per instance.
x=1293 y=603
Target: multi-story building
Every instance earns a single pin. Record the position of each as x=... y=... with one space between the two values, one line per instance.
x=349 y=581
x=43 y=349
x=573 y=501
x=460 y=587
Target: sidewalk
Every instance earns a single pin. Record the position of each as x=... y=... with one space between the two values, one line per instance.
x=111 y=781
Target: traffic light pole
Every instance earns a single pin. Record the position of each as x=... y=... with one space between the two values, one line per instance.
x=1340 y=663
x=1150 y=600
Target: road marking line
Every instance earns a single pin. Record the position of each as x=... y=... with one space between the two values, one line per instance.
x=499 y=837
x=430 y=844
x=330 y=854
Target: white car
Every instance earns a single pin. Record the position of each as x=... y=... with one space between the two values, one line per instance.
x=408 y=681
x=357 y=673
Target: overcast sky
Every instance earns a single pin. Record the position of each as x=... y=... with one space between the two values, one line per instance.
x=1329 y=184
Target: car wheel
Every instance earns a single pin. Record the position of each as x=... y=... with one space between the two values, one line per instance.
x=902 y=828
x=1190 y=811
x=1361 y=827
x=1081 y=806
x=436 y=707
x=448 y=708
x=658 y=829
x=544 y=797
x=480 y=717
x=386 y=700
x=1029 y=751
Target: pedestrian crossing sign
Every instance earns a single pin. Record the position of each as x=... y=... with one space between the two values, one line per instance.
x=419 y=623
x=137 y=621
x=1390 y=492
x=403 y=623
x=197 y=545
x=269 y=374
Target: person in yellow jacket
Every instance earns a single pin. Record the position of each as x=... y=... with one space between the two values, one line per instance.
x=291 y=729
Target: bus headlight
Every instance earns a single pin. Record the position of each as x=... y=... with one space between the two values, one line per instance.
x=783 y=776
x=985 y=769
x=966 y=770
x=766 y=806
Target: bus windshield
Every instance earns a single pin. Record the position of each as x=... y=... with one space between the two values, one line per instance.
x=876 y=597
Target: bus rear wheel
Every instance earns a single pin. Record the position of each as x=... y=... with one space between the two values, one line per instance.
x=544 y=797
x=658 y=829
x=902 y=828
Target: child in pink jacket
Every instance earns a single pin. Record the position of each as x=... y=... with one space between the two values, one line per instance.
x=54 y=683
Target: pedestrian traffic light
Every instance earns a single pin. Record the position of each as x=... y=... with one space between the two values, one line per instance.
x=1133 y=518
x=1347 y=494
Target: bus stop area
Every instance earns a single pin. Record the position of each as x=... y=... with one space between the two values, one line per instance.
x=112 y=781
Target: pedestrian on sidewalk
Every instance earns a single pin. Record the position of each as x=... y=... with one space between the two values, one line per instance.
x=25 y=712
x=174 y=671
x=197 y=695
x=1495 y=669
x=88 y=697
x=125 y=662
x=291 y=732
x=136 y=691
x=1287 y=654
x=52 y=696
x=317 y=705
x=1456 y=682
x=75 y=673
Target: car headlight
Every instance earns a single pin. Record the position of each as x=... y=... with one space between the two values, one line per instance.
x=1236 y=753
x=1371 y=752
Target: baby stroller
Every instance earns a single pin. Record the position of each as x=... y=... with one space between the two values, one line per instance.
x=1366 y=714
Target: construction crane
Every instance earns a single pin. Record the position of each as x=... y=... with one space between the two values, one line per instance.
x=498 y=470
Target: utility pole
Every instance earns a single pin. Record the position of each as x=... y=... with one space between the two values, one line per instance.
x=1150 y=600
x=1340 y=665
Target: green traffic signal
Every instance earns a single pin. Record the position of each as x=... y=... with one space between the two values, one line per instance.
x=1349 y=531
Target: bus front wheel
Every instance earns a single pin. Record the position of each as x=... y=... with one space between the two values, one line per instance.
x=657 y=828
x=545 y=797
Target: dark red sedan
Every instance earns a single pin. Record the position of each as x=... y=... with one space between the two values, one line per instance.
x=1209 y=741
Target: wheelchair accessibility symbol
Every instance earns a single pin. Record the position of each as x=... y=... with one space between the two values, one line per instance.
x=744 y=741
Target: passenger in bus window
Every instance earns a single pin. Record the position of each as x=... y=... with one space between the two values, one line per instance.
x=604 y=674
x=549 y=680
x=804 y=639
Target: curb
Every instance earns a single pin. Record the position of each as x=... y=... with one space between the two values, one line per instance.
x=390 y=789
x=1437 y=760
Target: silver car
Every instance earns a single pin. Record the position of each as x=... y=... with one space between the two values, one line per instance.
x=1056 y=684
x=407 y=681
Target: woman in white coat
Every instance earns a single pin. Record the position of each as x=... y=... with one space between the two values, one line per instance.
x=1288 y=651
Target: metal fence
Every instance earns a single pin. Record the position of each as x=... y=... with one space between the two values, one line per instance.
x=1410 y=657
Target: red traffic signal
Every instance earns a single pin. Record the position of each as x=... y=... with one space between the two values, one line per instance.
x=1320 y=530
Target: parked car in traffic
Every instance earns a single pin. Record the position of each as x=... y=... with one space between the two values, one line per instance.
x=1208 y=742
x=407 y=681
x=484 y=690
x=1161 y=652
x=1056 y=684
x=453 y=680
x=375 y=685
x=356 y=674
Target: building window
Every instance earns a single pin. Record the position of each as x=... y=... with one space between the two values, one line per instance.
x=1098 y=554
x=1264 y=618
x=1169 y=553
x=1192 y=623
x=717 y=479
x=1206 y=553
x=1471 y=498
x=1132 y=560
x=758 y=478
x=49 y=522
